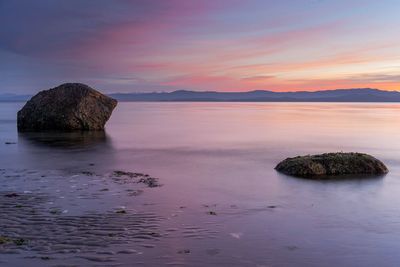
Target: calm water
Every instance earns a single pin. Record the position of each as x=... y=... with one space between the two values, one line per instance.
x=221 y=203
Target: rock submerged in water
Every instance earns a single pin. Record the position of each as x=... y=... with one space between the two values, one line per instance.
x=68 y=107
x=332 y=164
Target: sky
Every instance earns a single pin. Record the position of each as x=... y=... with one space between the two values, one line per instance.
x=202 y=45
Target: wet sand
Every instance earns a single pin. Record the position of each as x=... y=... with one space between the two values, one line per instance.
x=69 y=216
x=59 y=218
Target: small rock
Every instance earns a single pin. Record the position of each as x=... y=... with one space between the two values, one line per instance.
x=120 y=211
x=127 y=251
x=149 y=181
x=153 y=234
x=184 y=251
x=291 y=248
x=135 y=193
x=55 y=211
x=148 y=245
x=12 y=195
x=19 y=241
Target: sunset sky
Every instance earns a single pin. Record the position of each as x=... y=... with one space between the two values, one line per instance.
x=223 y=45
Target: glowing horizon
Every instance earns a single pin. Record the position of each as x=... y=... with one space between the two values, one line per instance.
x=223 y=45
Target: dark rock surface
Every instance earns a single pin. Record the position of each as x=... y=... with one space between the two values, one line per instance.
x=68 y=107
x=332 y=164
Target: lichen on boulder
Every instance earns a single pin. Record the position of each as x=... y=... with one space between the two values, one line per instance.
x=68 y=107
x=332 y=164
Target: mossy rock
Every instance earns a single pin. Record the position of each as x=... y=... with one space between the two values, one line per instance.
x=331 y=165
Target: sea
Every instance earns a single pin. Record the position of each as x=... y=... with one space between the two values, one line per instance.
x=81 y=199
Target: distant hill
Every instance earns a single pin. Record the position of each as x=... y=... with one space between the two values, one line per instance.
x=338 y=95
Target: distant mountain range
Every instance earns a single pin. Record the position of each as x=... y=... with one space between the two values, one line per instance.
x=338 y=95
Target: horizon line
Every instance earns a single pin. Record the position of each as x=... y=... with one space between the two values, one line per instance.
x=216 y=91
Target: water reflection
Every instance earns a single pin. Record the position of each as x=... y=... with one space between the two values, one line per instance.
x=65 y=150
x=344 y=178
x=78 y=139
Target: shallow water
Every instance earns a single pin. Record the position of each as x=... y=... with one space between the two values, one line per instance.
x=221 y=203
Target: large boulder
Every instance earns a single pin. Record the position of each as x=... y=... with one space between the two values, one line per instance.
x=332 y=164
x=68 y=107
